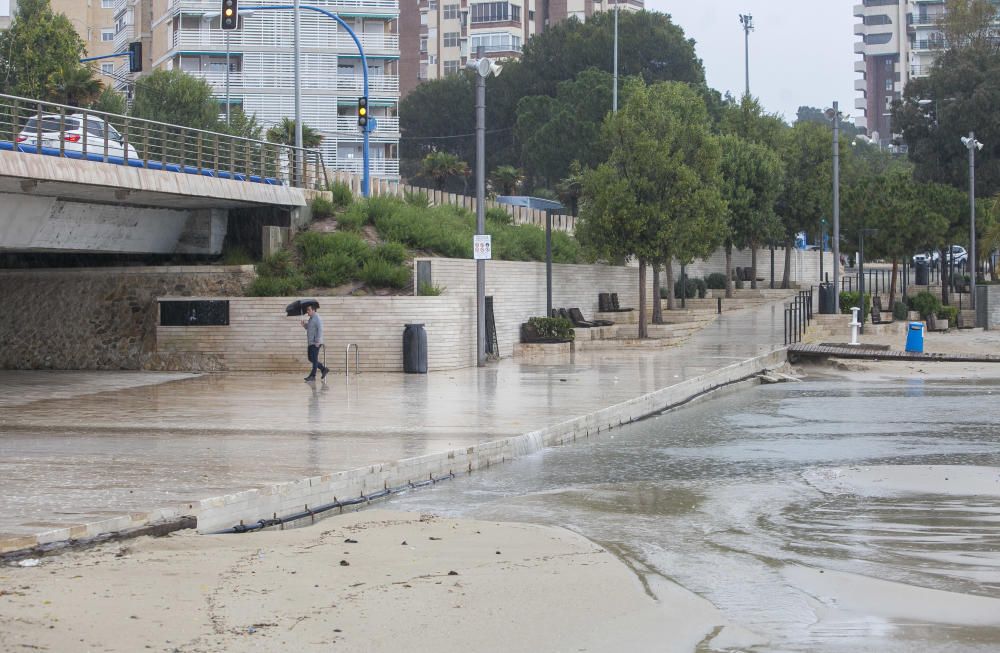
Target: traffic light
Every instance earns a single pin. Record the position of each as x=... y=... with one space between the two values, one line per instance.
x=362 y=112
x=230 y=14
x=135 y=57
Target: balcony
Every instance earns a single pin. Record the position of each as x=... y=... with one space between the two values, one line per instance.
x=861 y=66
x=860 y=103
x=378 y=85
x=388 y=126
x=240 y=40
x=860 y=85
x=340 y=7
x=376 y=166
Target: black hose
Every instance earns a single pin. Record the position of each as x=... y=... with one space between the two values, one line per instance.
x=310 y=512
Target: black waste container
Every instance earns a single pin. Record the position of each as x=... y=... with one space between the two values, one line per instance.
x=921 y=273
x=827 y=299
x=414 y=349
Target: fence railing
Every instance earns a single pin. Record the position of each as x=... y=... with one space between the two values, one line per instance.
x=798 y=314
x=45 y=128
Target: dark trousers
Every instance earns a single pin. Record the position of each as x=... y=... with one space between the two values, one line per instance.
x=313 y=353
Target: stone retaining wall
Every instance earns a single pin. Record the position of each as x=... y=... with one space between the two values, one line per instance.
x=98 y=318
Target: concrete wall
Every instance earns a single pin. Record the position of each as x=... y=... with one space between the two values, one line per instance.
x=98 y=319
x=261 y=337
x=804 y=265
x=988 y=306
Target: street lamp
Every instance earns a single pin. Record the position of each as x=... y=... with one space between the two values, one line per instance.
x=747 y=21
x=972 y=145
x=484 y=68
x=833 y=114
x=614 y=92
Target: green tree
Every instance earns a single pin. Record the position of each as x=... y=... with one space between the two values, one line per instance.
x=35 y=49
x=284 y=133
x=753 y=175
x=748 y=120
x=441 y=166
x=657 y=197
x=443 y=108
x=244 y=126
x=505 y=180
x=111 y=101
x=74 y=85
x=174 y=97
x=970 y=24
x=848 y=130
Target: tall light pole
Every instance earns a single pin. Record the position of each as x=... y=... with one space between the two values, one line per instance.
x=834 y=115
x=972 y=145
x=298 y=92
x=483 y=67
x=747 y=21
x=614 y=92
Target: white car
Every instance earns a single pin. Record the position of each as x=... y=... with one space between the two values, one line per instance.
x=72 y=135
x=957 y=251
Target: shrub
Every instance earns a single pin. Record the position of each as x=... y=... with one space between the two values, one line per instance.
x=702 y=288
x=342 y=195
x=235 y=255
x=949 y=313
x=444 y=230
x=332 y=270
x=417 y=199
x=379 y=272
x=321 y=207
x=429 y=290
x=849 y=298
x=276 y=286
x=565 y=248
x=313 y=245
x=378 y=207
x=691 y=288
x=555 y=328
x=353 y=219
x=499 y=216
x=279 y=265
x=899 y=310
x=394 y=253
x=925 y=303
x=716 y=281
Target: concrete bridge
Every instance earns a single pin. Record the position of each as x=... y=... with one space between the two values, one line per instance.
x=58 y=204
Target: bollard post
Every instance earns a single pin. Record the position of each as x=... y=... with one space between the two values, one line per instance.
x=719 y=300
x=854 y=325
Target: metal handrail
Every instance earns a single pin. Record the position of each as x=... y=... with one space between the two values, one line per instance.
x=158 y=145
x=347 y=360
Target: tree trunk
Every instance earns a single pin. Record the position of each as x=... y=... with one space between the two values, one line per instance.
x=657 y=303
x=786 y=275
x=892 y=284
x=671 y=300
x=945 y=275
x=642 y=299
x=753 y=266
x=729 y=270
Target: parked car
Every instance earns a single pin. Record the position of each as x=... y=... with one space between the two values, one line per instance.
x=926 y=257
x=958 y=253
x=73 y=135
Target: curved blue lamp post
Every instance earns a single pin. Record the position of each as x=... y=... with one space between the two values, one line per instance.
x=364 y=70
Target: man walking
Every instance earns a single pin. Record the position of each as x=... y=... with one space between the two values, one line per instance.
x=314 y=337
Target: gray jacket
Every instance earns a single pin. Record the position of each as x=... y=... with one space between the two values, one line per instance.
x=314 y=330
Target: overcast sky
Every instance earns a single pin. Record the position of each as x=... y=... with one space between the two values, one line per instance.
x=801 y=51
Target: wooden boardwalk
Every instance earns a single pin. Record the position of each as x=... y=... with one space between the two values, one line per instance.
x=798 y=352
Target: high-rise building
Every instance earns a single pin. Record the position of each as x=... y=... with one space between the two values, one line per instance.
x=93 y=20
x=899 y=41
x=440 y=36
x=186 y=35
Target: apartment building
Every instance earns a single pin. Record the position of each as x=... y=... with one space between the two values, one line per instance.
x=186 y=35
x=93 y=20
x=899 y=41
x=440 y=36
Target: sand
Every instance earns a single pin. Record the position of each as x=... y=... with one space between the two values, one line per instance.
x=368 y=581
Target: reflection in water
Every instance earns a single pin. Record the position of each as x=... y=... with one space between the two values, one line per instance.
x=713 y=496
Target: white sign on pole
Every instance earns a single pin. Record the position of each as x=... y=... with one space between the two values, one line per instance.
x=482 y=247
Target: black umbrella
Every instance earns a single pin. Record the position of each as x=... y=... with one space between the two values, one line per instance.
x=298 y=307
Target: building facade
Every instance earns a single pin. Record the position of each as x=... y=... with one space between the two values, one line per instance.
x=441 y=36
x=186 y=35
x=93 y=20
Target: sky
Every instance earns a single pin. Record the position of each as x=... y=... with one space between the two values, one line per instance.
x=801 y=51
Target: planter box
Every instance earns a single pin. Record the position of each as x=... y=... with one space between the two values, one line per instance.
x=913 y=316
x=537 y=352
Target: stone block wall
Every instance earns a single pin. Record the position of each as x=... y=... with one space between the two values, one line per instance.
x=97 y=318
x=261 y=337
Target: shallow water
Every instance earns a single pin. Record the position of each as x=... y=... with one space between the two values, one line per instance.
x=725 y=498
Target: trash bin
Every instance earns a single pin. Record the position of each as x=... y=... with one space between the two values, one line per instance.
x=827 y=299
x=922 y=271
x=415 y=349
x=915 y=337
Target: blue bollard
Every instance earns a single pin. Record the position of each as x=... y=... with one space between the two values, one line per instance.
x=915 y=337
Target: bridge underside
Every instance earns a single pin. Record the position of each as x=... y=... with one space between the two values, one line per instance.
x=51 y=204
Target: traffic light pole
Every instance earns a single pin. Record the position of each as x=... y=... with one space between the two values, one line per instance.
x=365 y=177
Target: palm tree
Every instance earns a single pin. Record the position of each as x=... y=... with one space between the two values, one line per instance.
x=284 y=133
x=439 y=166
x=74 y=85
x=506 y=179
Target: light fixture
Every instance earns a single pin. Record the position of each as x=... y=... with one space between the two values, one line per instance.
x=971 y=142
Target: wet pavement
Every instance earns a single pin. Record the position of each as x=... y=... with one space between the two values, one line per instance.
x=79 y=447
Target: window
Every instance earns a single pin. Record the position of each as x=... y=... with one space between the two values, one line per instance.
x=107 y=4
x=107 y=35
x=499 y=42
x=888 y=84
x=451 y=67
x=451 y=39
x=450 y=12
x=423 y=44
x=491 y=12
x=531 y=15
x=515 y=13
x=433 y=5
x=107 y=68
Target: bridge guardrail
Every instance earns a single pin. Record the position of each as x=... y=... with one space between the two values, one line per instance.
x=46 y=128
